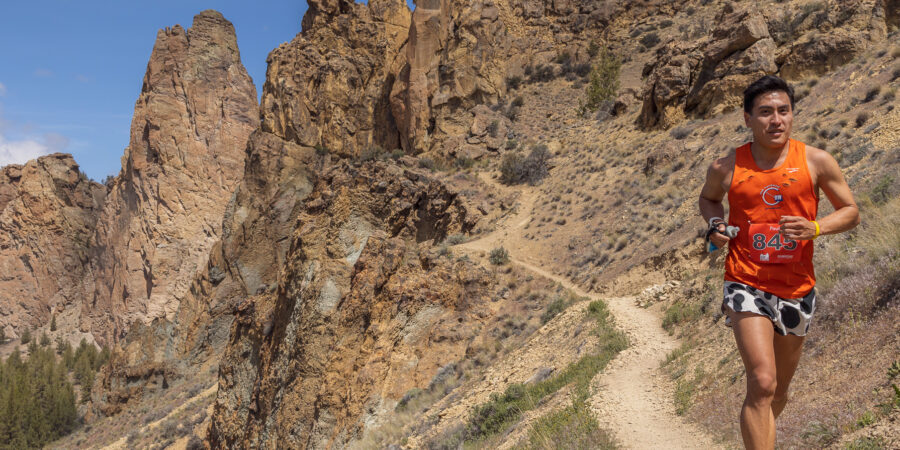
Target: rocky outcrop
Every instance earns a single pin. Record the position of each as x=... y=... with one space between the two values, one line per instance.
x=186 y=154
x=328 y=86
x=707 y=77
x=48 y=209
x=360 y=305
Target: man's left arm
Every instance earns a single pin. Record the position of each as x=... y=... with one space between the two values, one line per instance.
x=846 y=212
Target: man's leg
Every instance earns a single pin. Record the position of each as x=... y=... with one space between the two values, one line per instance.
x=754 y=335
x=787 y=355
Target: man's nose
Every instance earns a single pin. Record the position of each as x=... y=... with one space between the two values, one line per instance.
x=777 y=118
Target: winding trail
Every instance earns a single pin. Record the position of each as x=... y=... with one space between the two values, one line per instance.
x=631 y=397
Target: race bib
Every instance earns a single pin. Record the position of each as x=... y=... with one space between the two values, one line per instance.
x=767 y=246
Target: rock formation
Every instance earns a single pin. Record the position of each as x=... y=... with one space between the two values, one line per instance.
x=706 y=77
x=163 y=214
x=361 y=305
x=327 y=87
x=48 y=209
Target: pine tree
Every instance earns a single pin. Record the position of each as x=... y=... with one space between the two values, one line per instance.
x=2 y=340
x=68 y=356
x=53 y=324
x=45 y=340
x=26 y=336
x=37 y=402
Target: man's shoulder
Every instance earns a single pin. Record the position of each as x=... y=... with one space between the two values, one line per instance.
x=724 y=164
x=818 y=158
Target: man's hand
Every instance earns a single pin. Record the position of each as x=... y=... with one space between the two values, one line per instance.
x=797 y=228
x=718 y=237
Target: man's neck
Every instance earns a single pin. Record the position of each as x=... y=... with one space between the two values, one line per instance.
x=769 y=157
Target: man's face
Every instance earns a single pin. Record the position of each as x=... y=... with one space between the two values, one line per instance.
x=771 y=119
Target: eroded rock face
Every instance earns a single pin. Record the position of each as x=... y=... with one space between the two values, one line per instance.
x=832 y=37
x=48 y=209
x=707 y=77
x=361 y=305
x=328 y=87
x=163 y=214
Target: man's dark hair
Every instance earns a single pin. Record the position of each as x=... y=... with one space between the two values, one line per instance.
x=764 y=85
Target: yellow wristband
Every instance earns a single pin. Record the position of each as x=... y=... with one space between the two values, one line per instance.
x=817 y=229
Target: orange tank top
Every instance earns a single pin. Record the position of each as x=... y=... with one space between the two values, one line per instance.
x=757 y=199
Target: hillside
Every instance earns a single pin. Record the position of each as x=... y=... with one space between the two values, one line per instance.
x=360 y=267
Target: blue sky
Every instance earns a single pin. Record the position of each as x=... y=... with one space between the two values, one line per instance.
x=70 y=71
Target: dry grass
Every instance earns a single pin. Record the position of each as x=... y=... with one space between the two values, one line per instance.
x=523 y=301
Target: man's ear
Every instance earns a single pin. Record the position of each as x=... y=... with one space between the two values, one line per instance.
x=746 y=119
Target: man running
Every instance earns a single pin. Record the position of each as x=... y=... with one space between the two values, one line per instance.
x=773 y=187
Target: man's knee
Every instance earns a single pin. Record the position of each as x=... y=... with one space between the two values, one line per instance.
x=761 y=386
x=780 y=398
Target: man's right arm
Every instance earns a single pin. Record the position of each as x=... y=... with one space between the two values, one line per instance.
x=711 y=197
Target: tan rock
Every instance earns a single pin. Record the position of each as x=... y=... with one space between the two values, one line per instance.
x=707 y=77
x=48 y=209
x=358 y=304
x=328 y=86
x=196 y=109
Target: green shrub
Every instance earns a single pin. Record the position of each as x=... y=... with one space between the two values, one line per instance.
x=881 y=193
x=867 y=443
x=502 y=410
x=678 y=313
x=563 y=58
x=558 y=305
x=593 y=49
x=492 y=128
x=542 y=73
x=499 y=256
x=515 y=168
x=872 y=94
x=455 y=239
x=604 y=81
x=26 y=336
x=650 y=39
x=513 y=82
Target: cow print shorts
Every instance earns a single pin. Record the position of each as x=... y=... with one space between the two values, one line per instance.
x=788 y=315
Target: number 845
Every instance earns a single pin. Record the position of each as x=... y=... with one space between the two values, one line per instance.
x=760 y=242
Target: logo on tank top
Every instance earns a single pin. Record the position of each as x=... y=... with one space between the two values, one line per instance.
x=771 y=195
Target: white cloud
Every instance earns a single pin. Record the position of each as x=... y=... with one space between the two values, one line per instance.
x=26 y=144
x=21 y=151
x=18 y=152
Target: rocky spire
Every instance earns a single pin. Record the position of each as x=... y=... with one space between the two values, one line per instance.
x=196 y=108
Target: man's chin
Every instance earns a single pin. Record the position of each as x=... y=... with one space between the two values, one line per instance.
x=774 y=141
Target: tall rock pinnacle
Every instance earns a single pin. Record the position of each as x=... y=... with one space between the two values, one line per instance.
x=196 y=109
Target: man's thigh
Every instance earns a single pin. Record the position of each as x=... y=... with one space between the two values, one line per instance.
x=754 y=335
x=787 y=355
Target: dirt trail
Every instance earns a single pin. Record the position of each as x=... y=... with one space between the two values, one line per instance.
x=631 y=397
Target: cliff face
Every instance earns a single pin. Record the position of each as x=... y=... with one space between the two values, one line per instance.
x=48 y=209
x=361 y=305
x=163 y=214
x=328 y=86
x=706 y=77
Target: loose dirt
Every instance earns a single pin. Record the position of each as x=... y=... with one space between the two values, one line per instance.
x=631 y=398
